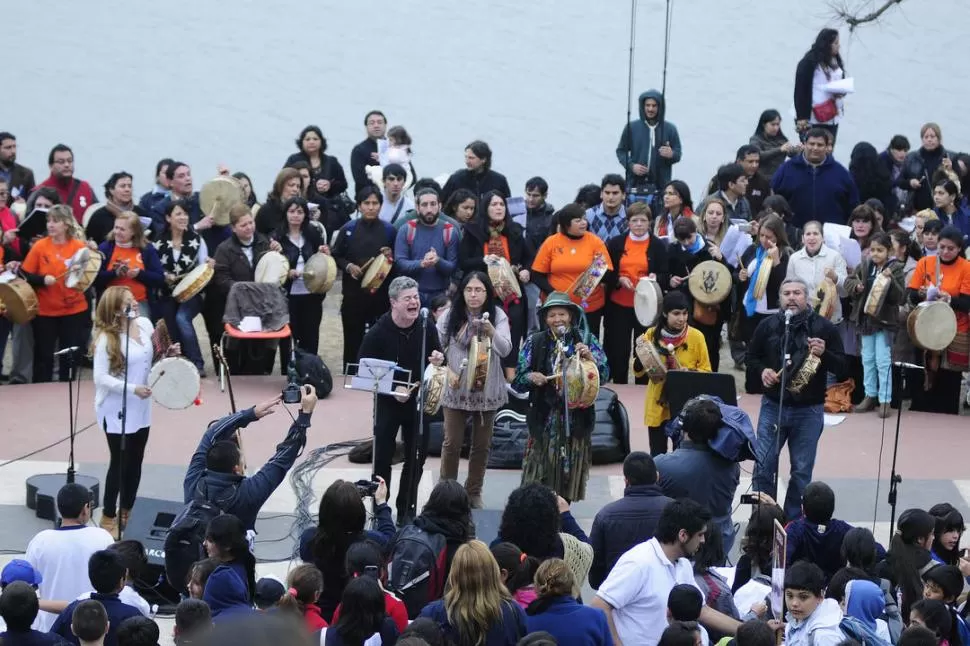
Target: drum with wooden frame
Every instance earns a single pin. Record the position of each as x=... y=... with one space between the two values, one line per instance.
x=18 y=301
x=877 y=295
x=193 y=283
x=434 y=388
x=826 y=296
x=649 y=356
x=175 y=383
x=587 y=282
x=761 y=284
x=932 y=325
x=218 y=196
x=83 y=270
x=582 y=382
x=273 y=267
x=646 y=301
x=320 y=273
x=375 y=271
x=479 y=359
x=710 y=282
x=805 y=373
x=504 y=280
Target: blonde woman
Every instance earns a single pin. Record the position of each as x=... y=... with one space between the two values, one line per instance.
x=62 y=313
x=477 y=609
x=129 y=261
x=557 y=612
x=728 y=239
x=122 y=341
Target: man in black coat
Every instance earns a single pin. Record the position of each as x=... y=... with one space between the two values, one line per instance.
x=477 y=176
x=628 y=521
x=366 y=153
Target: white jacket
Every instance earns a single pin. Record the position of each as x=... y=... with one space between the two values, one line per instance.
x=821 y=628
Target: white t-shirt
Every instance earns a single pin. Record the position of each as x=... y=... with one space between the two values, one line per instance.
x=637 y=588
x=61 y=556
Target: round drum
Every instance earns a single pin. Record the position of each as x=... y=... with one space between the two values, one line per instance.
x=652 y=362
x=504 y=280
x=175 y=383
x=932 y=325
x=377 y=269
x=320 y=273
x=90 y=211
x=83 y=269
x=193 y=283
x=18 y=301
x=434 y=388
x=646 y=301
x=218 y=196
x=273 y=267
x=710 y=282
x=761 y=284
x=877 y=295
x=582 y=382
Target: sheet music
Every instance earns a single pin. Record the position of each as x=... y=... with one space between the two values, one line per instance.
x=517 y=209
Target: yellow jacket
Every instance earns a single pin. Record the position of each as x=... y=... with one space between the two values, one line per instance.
x=691 y=355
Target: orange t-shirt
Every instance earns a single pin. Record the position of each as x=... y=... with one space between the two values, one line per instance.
x=48 y=259
x=954 y=280
x=505 y=248
x=131 y=256
x=564 y=260
x=633 y=265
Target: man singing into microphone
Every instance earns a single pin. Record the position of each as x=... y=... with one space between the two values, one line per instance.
x=814 y=349
x=397 y=337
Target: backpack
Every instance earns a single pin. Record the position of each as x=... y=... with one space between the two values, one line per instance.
x=416 y=568
x=412 y=226
x=185 y=538
x=311 y=370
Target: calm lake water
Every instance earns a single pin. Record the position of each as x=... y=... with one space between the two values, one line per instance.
x=544 y=81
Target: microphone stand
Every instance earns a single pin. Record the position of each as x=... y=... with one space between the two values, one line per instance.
x=781 y=400
x=413 y=478
x=895 y=478
x=562 y=380
x=123 y=415
x=71 y=417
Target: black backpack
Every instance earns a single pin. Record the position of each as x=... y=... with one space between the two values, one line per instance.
x=416 y=568
x=311 y=370
x=185 y=537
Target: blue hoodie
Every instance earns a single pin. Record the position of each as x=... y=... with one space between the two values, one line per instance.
x=960 y=219
x=864 y=605
x=635 y=141
x=826 y=193
x=227 y=592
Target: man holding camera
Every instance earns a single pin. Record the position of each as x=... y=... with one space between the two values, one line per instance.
x=217 y=468
x=397 y=337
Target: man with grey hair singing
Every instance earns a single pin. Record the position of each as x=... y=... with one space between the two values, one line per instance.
x=814 y=348
x=397 y=337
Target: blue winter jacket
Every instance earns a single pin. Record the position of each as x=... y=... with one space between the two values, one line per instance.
x=826 y=193
x=570 y=622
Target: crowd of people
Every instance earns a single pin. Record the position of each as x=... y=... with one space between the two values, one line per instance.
x=817 y=275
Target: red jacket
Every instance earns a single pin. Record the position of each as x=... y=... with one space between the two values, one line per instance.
x=8 y=221
x=83 y=197
x=312 y=617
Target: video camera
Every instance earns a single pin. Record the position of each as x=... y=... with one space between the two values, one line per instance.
x=367 y=488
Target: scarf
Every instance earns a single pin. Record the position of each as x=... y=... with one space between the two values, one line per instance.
x=645 y=236
x=668 y=342
x=696 y=247
x=750 y=302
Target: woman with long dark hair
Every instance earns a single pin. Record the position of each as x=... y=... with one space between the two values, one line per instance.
x=949 y=207
x=676 y=203
x=462 y=205
x=821 y=65
x=757 y=543
x=909 y=556
x=494 y=237
x=271 y=216
x=470 y=392
x=871 y=176
x=772 y=244
x=535 y=520
x=947 y=533
x=363 y=619
x=232 y=585
x=300 y=240
x=771 y=141
x=340 y=525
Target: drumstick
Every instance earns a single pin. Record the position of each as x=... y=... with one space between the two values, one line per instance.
x=161 y=373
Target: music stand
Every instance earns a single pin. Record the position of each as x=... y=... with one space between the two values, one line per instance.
x=684 y=385
x=378 y=377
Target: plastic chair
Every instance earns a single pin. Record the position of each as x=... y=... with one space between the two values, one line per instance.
x=236 y=333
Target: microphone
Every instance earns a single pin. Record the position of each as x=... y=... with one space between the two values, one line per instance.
x=424 y=312
x=788 y=315
x=912 y=366
x=130 y=311
x=561 y=330
x=70 y=350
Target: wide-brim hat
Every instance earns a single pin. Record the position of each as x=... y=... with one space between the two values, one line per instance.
x=561 y=299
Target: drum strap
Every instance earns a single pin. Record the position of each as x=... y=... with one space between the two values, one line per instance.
x=397 y=211
x=75 y=187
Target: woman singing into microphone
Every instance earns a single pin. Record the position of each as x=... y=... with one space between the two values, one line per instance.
x=119 y=327
x=553 y=456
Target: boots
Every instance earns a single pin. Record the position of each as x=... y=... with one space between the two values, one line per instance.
x=109 y=524
x=884 y=411
x=865 y=405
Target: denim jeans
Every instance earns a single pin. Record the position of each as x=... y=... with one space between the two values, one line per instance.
x=877 y=365
x=532 y=296
x=801 y=428
x=178 y=318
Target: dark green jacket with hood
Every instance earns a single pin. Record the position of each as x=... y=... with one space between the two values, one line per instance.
x=635 y=145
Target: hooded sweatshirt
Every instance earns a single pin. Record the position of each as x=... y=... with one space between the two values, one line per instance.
x=641 y=141
x=227 y=592
x=865 y=603
x=826 y=192
x=821 y=628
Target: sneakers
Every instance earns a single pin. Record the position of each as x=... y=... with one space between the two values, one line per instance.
x=866 y=405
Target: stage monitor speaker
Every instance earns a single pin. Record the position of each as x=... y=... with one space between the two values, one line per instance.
x=683 y=385
x=148 y=524
x=42 y=492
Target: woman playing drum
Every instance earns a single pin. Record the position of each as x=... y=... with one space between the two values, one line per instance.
x=62 y=312
x=117 y=325
x=769 y=256
x=944 y=277
x=680 y=347
x=494 y=238
x=270 y=215
x=360 y=245
x=570 y=255
x=474 y=315
x=555 y=458
x=638 y=254
x=129 y=261
x=300 y=241
x=181 y=250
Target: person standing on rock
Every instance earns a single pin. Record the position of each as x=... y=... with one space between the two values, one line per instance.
x=649 y=147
